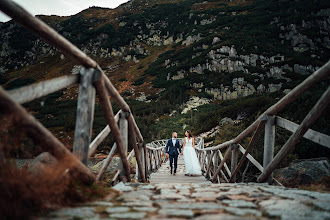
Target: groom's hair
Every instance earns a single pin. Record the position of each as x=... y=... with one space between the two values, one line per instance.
x=173 y=133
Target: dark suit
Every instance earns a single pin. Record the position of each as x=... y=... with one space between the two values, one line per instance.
x=173 y=152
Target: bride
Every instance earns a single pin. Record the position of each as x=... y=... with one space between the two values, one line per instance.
x=189 y=155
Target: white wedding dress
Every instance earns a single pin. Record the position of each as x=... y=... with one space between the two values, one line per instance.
x=190 y=159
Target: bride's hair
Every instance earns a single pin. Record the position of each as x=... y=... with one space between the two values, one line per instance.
x=190 y=134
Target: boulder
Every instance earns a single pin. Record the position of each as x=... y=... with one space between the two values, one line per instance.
x=303 y=172
x=113 y=166
x=227 y=121
x=39 y=165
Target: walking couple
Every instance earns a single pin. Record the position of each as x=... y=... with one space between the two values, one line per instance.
x=188 y=151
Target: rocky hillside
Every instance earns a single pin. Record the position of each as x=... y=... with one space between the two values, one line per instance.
x=168 y=56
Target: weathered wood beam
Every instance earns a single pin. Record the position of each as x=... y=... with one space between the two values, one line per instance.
x=136 y=149
x=227 y=155
x=106 y=162
x=208 y=167
x=269 y=143
x=233 y=162
x=123 y=128
x=115 y=94
x=37 y=90
x=308 y=121
x=100 y=137
x=250 y=158
x=215 y=161
x=115 y=178
x=85 y=114
x=310 y=134
x=225 y=165
x=145 y=160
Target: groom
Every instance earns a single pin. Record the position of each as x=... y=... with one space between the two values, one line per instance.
x=172 y=151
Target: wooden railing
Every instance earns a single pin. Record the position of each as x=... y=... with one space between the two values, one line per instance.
x=210 y=156
x=92 y=81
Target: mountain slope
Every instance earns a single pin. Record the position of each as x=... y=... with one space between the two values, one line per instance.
x=169 y=56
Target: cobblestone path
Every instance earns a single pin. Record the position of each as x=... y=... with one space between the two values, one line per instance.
x=180 y=198
x=204 y=201
x=163 y=175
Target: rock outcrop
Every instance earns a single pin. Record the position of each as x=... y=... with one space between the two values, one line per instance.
x=303 y=172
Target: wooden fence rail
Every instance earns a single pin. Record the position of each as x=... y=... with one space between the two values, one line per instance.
x=268 y=120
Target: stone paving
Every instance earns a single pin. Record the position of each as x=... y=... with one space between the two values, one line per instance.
x=182 y=197
x=203 y=201
x=163 y=175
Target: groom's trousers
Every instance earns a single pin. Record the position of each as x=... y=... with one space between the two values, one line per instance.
x=175 y=157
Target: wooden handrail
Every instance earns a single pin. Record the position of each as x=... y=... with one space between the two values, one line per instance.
x=314 y=78
x=115 y=94
x=317 y=76
x=308 y=121
x=37 y=90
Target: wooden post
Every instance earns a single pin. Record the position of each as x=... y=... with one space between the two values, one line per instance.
x=156 y=161
x=209 y=158
x=203 y=161
x=123 y=126
x=269 y=143
x=145 y=161
x=85 y=115
x=150 y=160
x=308 y=121
x=208 y=167
x=28 y=124
x=215 y=160
x=138 y=151
x=234 y=159
x=142 y=159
